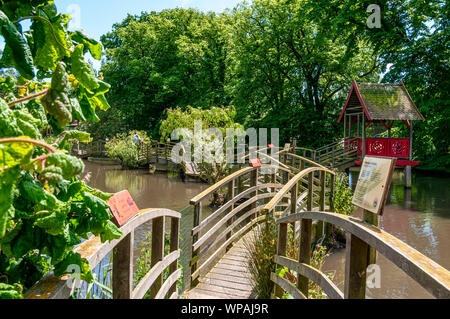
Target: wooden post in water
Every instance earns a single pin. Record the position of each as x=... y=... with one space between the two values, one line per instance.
x=174 y=244
x=355 y=268
x=157 y=252
x=408 y=169
x=122 y=282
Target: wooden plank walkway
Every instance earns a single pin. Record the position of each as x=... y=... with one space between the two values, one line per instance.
x=229 y=279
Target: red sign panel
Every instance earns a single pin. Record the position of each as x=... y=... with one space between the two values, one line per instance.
x=122 y=207
x=385 y=147
x=255 y=163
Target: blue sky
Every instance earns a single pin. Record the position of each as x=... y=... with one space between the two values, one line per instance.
x=96 y=17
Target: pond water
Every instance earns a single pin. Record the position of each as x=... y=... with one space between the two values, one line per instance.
x=419 y=217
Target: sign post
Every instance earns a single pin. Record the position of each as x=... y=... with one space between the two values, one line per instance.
x=372 y=191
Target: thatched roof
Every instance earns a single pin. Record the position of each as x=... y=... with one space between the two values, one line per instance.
x=383 y=102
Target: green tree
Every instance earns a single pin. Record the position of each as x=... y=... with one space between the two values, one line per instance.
x=296 y=61
x=165 y=60
x=422 y=62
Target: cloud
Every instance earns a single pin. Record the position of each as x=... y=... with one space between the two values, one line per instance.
x=184 y=3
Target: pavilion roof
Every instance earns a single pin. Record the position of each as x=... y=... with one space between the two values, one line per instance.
x=383 y=101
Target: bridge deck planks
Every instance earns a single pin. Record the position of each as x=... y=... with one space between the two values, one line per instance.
x=229 y=279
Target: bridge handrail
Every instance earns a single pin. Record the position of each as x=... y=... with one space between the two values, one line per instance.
x=293 y=183
x=224 y=182
x=52 y=287
x=301 y=158
x=360 y=235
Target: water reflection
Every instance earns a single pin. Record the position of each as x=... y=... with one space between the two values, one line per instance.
x=149 y=191
x=421 y=218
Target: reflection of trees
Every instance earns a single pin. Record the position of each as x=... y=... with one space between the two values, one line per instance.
x=120 y=180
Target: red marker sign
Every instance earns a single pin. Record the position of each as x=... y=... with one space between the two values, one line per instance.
x=255 y=163
x=271 y=146
x=122 y=207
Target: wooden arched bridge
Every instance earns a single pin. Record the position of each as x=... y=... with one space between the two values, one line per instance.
x=299 y=194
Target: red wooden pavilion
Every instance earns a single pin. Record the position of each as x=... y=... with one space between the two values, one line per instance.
x=370 y=103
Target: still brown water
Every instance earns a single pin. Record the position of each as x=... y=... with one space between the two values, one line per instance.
x=420 y=217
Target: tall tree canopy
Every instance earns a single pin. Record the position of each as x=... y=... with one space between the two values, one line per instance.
x=280 y=63
x=168 y=59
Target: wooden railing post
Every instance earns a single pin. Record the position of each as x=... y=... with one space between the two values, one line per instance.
x=254 y=183
x=174 y=244
x=371 y=219
x=334 y=159
x=329 y=227
x=294 y=197
x=230 y=197
x=281 y=251
x=157 y=251
x=355 y=268
x=321 y=203
x=305 y=240
x=122 y=282
x=194 y=259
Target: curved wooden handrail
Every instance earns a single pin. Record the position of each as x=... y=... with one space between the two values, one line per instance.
x=292 y=183
x=168 y=283
x=230 y=203
x=330 y=289
x=286 y=285
x=197 y=199
x=148 y=280
x=430 y=275
x=307 y=160
x=227 y=243
x=52 y=287
x=207 y=236
x=224 y=182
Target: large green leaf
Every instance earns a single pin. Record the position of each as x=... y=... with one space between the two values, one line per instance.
x=94 y=47
x=57 y=101
x=82 y=70
x=21 y=53
x=70 y=165
x=51 y=42
x=8 y=179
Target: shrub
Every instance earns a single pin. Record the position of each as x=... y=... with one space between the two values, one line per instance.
x=343 y=195
x=123 y=148
x=262 y=247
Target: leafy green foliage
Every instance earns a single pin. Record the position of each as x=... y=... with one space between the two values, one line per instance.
x=18 y=48
x=163 y=60
x=45 y=211
x=10 y=292
x=261 y=247
x=343 y=195
x=211 y=169
x=124 y=148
